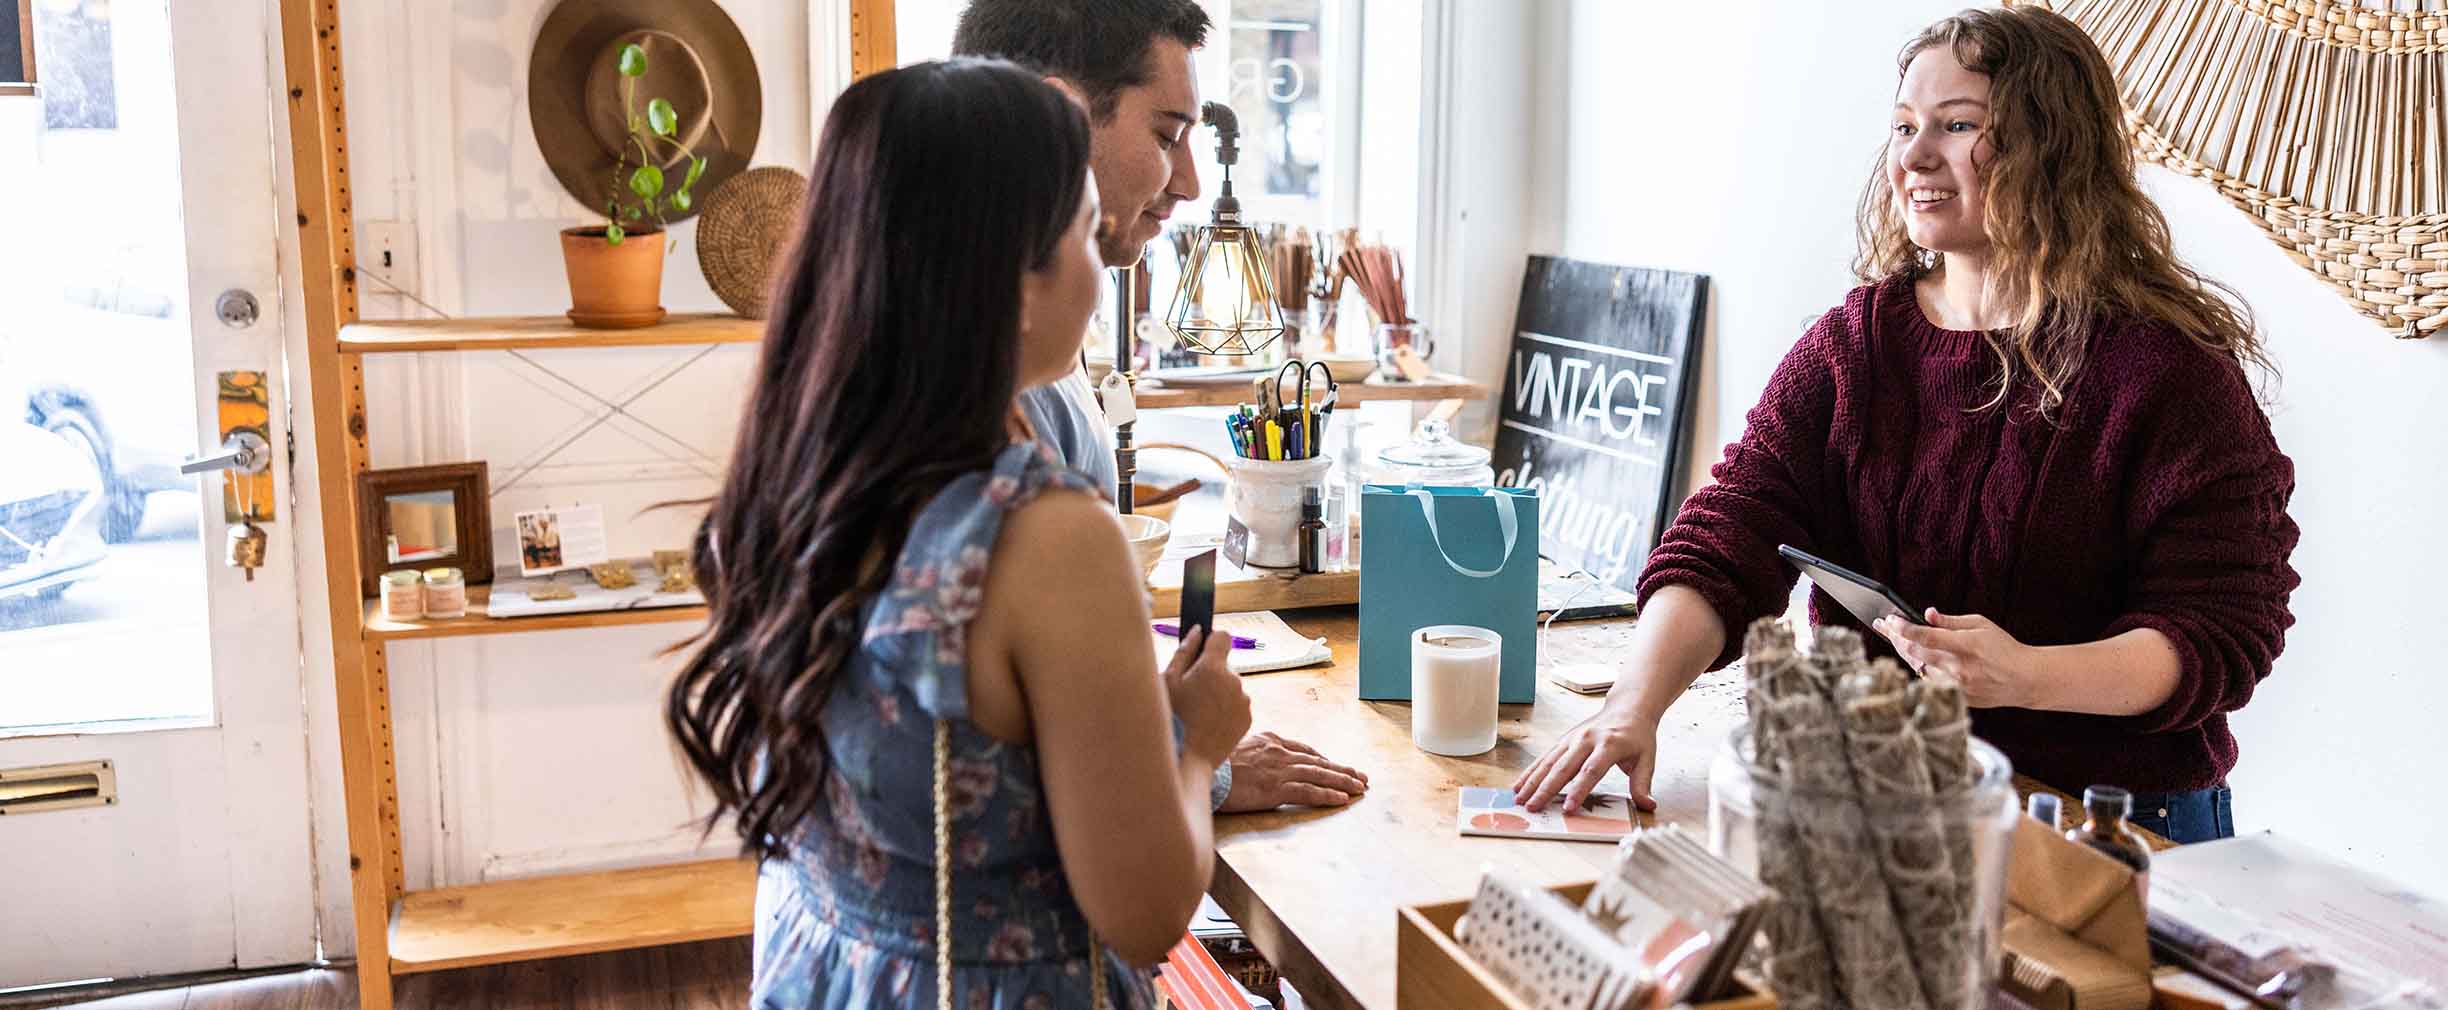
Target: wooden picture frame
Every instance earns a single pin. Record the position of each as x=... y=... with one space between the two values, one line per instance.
x=17 y=22
x=470 y=521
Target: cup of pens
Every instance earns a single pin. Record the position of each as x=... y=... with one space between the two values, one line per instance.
x=1266 y=497
x=1278 y=450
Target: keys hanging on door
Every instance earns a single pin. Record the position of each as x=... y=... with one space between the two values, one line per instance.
x=246 y=547
x=244 y=454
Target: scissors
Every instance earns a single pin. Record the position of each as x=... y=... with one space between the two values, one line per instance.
x=1301 y=372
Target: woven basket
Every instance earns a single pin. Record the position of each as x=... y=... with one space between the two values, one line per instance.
x=744 y=227
x=2316 y=117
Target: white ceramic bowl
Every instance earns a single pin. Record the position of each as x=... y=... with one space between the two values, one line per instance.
x=1348 y=368
x=1148 y=535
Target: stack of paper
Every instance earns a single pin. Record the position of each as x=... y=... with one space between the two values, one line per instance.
x=1688 y=914
x=1665 y=926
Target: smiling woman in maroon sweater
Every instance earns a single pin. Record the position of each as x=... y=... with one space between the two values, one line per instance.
x=2032 y=419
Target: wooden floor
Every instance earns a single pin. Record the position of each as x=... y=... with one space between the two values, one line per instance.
x=695 y=976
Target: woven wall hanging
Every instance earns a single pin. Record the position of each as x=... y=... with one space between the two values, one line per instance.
x=2323 y=119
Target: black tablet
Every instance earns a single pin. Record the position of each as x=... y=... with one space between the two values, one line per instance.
x=1861 y=594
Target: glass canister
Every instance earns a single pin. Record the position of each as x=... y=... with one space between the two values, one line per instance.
x=1393 y=338
x=1435 y=458
x=445 y=593
x=1865 y=861
x=403 y=595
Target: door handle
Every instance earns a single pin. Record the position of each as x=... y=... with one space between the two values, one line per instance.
x=243 y=451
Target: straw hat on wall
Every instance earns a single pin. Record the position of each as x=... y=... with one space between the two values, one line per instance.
x=695 y=57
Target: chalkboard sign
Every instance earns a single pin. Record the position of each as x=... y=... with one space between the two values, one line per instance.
x=1592 y=413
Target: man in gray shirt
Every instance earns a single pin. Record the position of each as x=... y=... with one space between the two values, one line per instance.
x=1128 y=62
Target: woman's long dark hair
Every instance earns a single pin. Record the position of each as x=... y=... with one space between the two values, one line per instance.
x=888 y=368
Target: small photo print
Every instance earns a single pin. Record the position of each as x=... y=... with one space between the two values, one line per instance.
x=539 y=541
x=560 y=539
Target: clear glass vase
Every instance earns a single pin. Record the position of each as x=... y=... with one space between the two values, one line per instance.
x=1882 y=878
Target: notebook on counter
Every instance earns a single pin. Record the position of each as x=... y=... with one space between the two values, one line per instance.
x=1279 y=647
x=1606 y=817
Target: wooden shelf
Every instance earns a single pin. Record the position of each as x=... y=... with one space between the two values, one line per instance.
x=1236 y=591
x=478 y=623
x=585 y=913
x=1438 y=387
x=502 y=333
x=1240 y=591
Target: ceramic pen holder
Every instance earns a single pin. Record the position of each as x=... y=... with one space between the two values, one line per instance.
x=1265 y=497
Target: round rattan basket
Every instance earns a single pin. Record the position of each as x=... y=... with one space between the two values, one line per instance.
x=743 y=227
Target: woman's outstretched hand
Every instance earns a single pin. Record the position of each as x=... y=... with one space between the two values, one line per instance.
x=1611 y=739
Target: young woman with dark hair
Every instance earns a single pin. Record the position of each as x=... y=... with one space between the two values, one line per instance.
x=917 y=613
x=2031 y=417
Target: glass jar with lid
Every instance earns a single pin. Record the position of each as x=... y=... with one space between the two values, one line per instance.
x=445 y=593
x=1434 y=458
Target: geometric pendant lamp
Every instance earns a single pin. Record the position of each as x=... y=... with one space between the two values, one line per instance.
x=1225 y=304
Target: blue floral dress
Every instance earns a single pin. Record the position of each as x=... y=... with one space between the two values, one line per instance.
x=847 y=918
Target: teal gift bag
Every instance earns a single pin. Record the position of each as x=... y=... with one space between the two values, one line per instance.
x=1447 y=555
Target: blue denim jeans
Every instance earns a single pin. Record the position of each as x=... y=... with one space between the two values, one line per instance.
x=2199 y=816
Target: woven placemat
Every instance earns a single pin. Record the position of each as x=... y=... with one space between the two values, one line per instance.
x=743 y=226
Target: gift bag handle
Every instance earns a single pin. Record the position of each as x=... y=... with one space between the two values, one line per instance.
x=1505 y=522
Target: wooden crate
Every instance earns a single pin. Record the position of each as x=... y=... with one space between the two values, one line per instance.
x=1433 y=972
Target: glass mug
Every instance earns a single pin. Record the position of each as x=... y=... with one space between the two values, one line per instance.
x=1392 y=337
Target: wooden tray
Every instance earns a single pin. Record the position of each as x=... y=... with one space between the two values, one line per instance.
x=1432 y=972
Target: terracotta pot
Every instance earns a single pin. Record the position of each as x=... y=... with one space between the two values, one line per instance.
x=614 y=287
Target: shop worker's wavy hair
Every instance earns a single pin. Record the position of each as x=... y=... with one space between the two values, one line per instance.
x=2072 y=236
x=888 y=368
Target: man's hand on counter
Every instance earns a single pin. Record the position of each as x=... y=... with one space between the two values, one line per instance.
x=1269 y=771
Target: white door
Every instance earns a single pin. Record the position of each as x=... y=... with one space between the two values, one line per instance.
x=140 y=186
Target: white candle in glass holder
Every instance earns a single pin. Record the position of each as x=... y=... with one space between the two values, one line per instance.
x=1454 y=671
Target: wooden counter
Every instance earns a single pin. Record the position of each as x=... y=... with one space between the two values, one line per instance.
x=1317 y=890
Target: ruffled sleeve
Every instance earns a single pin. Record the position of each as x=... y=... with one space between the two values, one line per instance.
x=917 y=628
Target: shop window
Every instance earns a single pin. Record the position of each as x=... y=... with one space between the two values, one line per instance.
x=79 y=88
x=1278 y=71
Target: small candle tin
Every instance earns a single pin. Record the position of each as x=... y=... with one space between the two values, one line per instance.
x=403 y=596
x=445 y=593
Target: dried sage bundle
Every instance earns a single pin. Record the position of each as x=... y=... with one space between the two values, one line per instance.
x=1799 y=966
x=1907 y=826
x=1877 y=872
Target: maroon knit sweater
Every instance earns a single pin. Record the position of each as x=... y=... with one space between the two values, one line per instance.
x=2157 y=499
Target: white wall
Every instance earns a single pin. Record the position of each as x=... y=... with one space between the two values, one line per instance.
x=1733 y=138
x=540 y=752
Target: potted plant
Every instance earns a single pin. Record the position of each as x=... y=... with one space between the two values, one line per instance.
x=616 y=268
